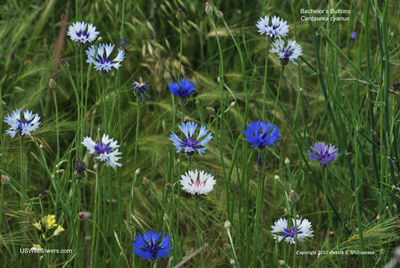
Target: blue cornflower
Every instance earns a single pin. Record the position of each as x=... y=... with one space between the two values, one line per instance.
x=103 y=62
x=148 y=246
x=140 y=89
x=182 y=89
x=353 y=36
x=191 y=144
x=323 y=153
x=24 y=126
x=260 y=135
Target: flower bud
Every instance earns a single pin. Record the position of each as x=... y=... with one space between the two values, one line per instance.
x=287 y=161
x=185 y=119
x=137 y=172
x=220 y=15
x=52 y=83
x=232 y=261
x=84 y=215
x=228 y=225
x=233 y=104
x=146 y=181
x=396 y=86
x=281 y=262
x=276 y=177
x=168 y=186
x=180 y=15
x=79 y=169
x=382 y=251
x=209 y=9
x=293 y=197
x=95 y=166
x=165 y=217
x=5 y=179
x=167 y=76
x=3 y=104
x=211 y=110
x=100 y=38
x=64 y=64
x=331 y=234
x=227 y=246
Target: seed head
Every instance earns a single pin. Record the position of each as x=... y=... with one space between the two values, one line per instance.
x=5 y=179
x=220 y=15
x=228 y=225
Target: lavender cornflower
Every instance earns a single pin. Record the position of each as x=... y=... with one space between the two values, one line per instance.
x=291 y=52
x=304 y=229
x=260 y=134
x=149 y=247
x=78 y=32
x=277 y=29
x=191 y=144
x=101 y=61
x=106 y=150
x=23 y=126
x=323 y=153
x=182 y=89
x=140 y=89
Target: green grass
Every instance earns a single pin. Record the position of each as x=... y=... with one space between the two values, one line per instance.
x=341 y=93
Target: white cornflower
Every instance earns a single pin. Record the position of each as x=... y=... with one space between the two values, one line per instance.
x=304 y=229
x=103 y=62
x=292 y=51
x=106 y=150
x=197 y=183
x=22 y=126
x=277 y=29
x=78 y=33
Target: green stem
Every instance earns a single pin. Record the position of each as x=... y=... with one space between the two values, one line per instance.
x=324 y=187
x=259 y=199
x=180 y=48
x=265 y=83
x=198 y=228
x=136 y=148
x=24 y=179
x=277 y=95
x=57 y=127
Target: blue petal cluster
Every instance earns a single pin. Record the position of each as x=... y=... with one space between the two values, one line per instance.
x=260 y=134
x=183 y=88
x=191 y=144
x=140 y=89
x=323 y=153
x=150 y=246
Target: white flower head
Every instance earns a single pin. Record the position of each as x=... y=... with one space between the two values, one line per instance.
x=100 y=57
x=106 y=150
x=277 y=29
x=304 y=229
x=78 y=33
x=24 y=126
x=197 y=182
x=291 y=52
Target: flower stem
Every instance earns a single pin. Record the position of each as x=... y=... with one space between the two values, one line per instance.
x=24 y=179
x=324 y=187
x=57 y=127
x=265 y=83
x=278 y=93
x=295 y=234
x=259 y=199
x=198 y=228
x=136 y=149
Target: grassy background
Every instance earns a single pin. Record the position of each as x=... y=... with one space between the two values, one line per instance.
x=314 y=105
